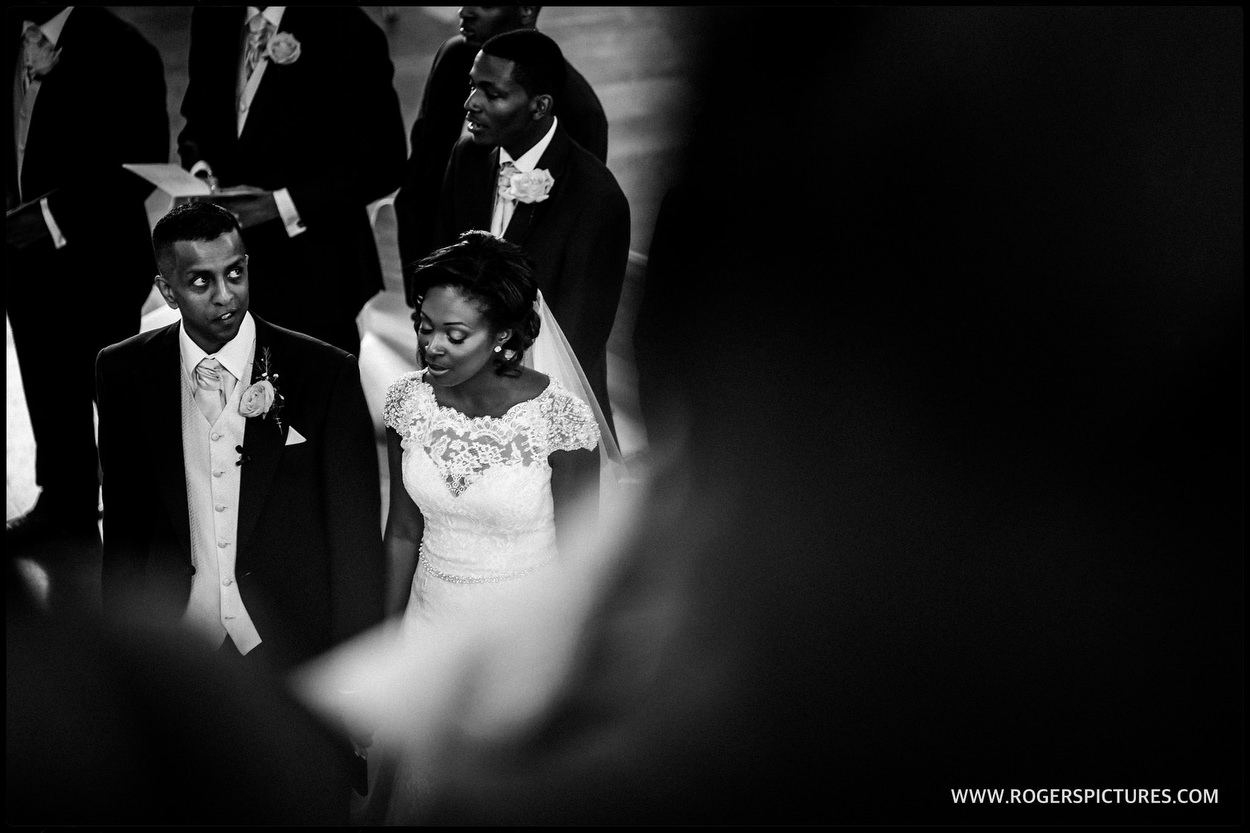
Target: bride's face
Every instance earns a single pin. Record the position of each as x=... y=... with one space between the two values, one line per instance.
x=454 y=339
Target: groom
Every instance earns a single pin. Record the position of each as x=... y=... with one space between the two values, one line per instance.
x=241 y=491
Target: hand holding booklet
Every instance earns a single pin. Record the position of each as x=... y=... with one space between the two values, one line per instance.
x=174 y=186
x=172 y=180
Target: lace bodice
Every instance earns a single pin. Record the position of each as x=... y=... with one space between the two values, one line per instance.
x=483 y=484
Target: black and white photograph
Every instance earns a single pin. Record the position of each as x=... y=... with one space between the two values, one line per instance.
x=816 y=415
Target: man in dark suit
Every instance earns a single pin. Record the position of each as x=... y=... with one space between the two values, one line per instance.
x=519 y=175
x=440 y=121
x=88 y=96
x=297 y=105
x=254 y=516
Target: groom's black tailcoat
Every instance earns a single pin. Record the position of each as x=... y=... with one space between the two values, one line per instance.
x=309 y=561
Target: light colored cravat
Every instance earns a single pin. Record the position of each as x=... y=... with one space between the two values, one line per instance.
x=38 y=54
x=259 y=30
x=504 y=204
x=213 y=386
x=507 y=170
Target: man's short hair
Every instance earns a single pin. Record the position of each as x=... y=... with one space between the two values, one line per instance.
x=190 y=221
x=538 y=63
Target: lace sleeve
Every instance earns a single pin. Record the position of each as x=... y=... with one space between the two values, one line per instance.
x=570 y=422
x=403 y=404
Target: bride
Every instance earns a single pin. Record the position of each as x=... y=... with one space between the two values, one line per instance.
x=495 y=474
x=487 y=456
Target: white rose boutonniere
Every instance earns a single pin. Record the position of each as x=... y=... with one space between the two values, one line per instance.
x=262 y=398
x=532 y=186
x=258 y=399
x=283 y=49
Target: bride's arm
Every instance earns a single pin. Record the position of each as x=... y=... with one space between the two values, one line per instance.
x=404 y=527
x=574 y=495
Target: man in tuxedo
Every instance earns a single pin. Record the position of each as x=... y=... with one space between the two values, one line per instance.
x=440 y=120
x=241 y=485
x=88 y=95
x=519 y=175
x=291 y=111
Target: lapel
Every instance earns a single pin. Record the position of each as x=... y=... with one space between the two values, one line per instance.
x=12 y=22
x=528 y=216
x=165 y=434
x=217 y=36
x=56 y=105
x=263 y=444
x=273 y=84
x=477 y=197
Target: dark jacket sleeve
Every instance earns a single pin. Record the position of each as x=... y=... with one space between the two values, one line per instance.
x=96 y=198
x=349 y=477
x=593 y=270
x=137 y=130
x=581 y=114
x=122 y=572
x=434 y=133
x=446 y=218
x=372 y=166
x=203 y=136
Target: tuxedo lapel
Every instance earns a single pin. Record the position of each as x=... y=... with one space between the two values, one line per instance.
x=479 y=193
x=55 y=107
x=518 y=230
x=277 y=84
x=529 y=216
x=221 y=49
x=263 y=443
x=165 y=436
x=12 y=22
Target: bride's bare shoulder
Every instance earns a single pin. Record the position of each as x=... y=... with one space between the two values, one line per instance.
x=530 y=383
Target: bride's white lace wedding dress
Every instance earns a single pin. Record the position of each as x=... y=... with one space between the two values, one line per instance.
x=492 y=613
x=483 y=485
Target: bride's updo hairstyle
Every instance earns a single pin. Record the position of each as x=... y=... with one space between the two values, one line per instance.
x=498 y=276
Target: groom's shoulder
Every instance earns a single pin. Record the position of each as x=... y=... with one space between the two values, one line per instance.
x=299 y=347
x=594 y=180
x=138 y=344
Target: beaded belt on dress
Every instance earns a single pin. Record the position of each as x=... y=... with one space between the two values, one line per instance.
x=455 y=579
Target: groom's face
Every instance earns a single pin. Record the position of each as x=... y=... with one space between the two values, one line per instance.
x=498 y=109
x=206 y=280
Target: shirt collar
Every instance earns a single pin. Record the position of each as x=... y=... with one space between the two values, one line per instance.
x=272 y=13
x=52 y=29
x=234 y=356
x=529 y=159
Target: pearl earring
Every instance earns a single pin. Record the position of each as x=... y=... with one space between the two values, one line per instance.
x=498 y=347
